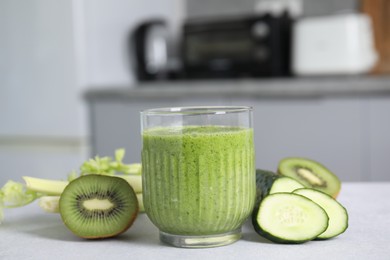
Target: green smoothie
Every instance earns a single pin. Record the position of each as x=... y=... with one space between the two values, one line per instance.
x=198 y=180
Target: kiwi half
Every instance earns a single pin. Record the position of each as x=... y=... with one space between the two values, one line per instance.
x=311 y=174
x=97 y=206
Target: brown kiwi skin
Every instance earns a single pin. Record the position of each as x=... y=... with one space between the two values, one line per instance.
x=129 y=224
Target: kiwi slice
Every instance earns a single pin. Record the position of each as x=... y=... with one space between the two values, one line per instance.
x=311 y=174
x=97 y=206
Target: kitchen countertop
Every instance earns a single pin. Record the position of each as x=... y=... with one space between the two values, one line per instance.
x=29 y=233
x=300 y=87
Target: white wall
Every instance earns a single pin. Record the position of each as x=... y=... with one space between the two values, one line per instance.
x=107 y=27
x=41 y=113
x=51 y=52
x=38 y=78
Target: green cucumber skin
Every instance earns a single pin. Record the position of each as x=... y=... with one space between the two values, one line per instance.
x=264 y=181
x=271 y=237
x=341 y=232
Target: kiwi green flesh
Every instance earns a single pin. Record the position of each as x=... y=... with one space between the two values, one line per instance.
x=311 y=174
x=97 y=206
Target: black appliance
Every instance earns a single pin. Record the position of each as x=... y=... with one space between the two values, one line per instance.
x=150 y=51
x=248 y=46
x=255 y=46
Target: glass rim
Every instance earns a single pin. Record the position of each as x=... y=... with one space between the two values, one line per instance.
x=196 y=110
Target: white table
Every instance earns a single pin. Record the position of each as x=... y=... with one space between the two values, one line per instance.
x=29 y=233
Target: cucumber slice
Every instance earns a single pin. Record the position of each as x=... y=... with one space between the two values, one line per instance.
x=268 y=182
x=289 y=218
x=285 y=184
x=338 y=216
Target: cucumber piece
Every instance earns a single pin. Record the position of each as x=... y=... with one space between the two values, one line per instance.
x=289 y=218
x=268 y=182
x=264 y=181
x=311 y=174
x=285 y=184
x=338 y=216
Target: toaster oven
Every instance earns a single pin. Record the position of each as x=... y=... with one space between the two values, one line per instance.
x=254 y=46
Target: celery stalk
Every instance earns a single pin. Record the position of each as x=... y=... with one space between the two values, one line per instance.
x=56 y=187
x=140 y=202
x=50 y=204
x=135 y=168
x=135 y=181
x=45 y=186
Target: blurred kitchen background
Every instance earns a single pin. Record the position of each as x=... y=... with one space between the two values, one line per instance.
x=74 y=75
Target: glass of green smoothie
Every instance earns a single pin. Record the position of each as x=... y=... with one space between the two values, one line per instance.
x=198 y=173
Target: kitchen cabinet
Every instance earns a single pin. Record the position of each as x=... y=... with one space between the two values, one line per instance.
x=378 y=138
x=326 y=130
x=347 y=129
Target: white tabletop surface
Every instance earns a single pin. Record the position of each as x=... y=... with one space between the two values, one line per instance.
x=29 y=233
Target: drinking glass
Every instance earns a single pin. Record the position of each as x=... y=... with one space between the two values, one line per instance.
x=198 y=173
